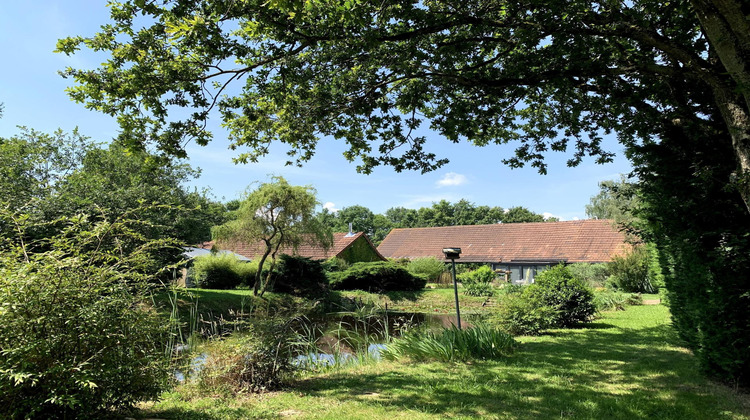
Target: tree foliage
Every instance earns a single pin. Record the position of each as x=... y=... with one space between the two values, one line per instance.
x=615 y=201
x=277 y=216
x=62 y=175
x=549 y=75
x=440 y=213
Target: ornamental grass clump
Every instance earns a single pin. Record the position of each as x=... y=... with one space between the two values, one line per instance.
x=452 y=345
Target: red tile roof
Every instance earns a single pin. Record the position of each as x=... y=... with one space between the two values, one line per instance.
x=574 y=241
x=341 y=241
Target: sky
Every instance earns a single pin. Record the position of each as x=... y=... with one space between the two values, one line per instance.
x=34 y=96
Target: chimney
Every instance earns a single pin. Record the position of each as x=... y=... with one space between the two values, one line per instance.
x=350 y=234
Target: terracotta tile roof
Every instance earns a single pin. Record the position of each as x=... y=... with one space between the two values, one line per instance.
x=574 y=241
x=341 y=241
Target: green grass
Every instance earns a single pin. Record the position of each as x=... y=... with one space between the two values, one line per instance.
x=626 y=365
x=428 y=300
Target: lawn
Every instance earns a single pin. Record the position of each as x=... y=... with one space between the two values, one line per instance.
x=626 y=365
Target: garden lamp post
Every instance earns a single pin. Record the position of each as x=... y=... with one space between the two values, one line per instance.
x=453 y=254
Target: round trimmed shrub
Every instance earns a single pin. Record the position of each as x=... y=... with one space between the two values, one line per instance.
x=570 y=297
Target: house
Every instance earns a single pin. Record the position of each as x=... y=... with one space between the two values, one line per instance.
x=350 y=247
x=521 y=249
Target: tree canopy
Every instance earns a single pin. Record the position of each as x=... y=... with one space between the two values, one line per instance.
x=440 y=213
x=549 y=75
x=278 y=216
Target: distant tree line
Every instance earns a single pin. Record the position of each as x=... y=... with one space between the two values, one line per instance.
x=441 y=213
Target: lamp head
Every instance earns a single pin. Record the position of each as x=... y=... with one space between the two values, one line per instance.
x=452 y=253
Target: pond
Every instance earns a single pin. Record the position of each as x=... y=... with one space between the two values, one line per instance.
x=344 y=337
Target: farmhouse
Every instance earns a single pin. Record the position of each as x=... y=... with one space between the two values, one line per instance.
x=522 y=249
x=350 y=247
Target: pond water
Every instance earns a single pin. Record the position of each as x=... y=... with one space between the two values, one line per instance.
x=340 y=338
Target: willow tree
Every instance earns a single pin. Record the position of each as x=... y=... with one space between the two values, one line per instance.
x=278 y=216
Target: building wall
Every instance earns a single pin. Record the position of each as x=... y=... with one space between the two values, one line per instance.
x=360 y=251
x=522 y=273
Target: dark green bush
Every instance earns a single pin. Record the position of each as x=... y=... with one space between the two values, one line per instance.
x=558 y=289
x=78 y=336
x=380 y=276
x=299 y=276
x=221 y=271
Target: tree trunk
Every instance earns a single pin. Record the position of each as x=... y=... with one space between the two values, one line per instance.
x=728 y=30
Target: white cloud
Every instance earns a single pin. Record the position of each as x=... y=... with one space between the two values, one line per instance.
x=547 y=215
x=417 y=201
x=452 y=179
x=330 y=207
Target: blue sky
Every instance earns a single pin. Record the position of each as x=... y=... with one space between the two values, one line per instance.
x=33 y=95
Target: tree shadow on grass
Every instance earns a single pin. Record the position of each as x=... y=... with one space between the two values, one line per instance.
x=603 y=372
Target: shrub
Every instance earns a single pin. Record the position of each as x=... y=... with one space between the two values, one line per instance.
x=594 y=275
x=478 y=282
x=257 y=360
x=520 y=314
x=431 y=268
x=380 y=276
x=299 y=276
x=630 y=273
x=221 y=271
x=481 y=342
x=77 y=333
x=558 y=289
x=335 y=264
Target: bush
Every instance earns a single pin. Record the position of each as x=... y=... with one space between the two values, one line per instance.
x=630 y=273
x=78 y=336
x=558 y=289
x=450 y=345
x=221 y=271
x=431 y=268
x=594 y=275
x=520 y=314
x=335 y=264
x=555 y=299
x=299 y=276
x=380 y=276
x=478 y=282
x=257 y=360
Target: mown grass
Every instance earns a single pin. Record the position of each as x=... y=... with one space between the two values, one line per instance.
x=626 y=365
x=428 y=300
